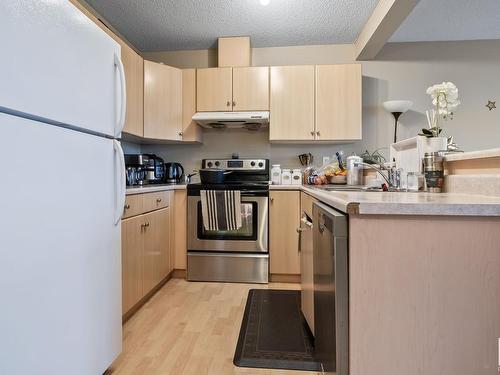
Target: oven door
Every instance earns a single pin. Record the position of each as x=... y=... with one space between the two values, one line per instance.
x=251 y=237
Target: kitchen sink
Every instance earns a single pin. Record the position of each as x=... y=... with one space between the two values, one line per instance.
x=347 y=188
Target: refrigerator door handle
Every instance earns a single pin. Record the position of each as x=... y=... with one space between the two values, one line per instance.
x=123 y=97
x=120 y=181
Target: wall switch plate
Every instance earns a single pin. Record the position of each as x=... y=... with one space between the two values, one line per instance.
x=326 y=160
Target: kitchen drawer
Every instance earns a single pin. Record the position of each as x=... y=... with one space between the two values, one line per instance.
x=133 y=205
x=155 y=201
x=306 y=203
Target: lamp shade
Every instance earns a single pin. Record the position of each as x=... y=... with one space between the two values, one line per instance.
x=400 y=106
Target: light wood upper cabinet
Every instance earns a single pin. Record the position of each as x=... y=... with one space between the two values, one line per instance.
x=284 y=219
x=292 y=103
x=132 y=262
x=338 y=102
x=251 y=89
x=134 y=76
x=162 y=101
x=214 y=89
x=191 y=131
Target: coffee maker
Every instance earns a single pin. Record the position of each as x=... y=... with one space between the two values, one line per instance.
x=143 y=169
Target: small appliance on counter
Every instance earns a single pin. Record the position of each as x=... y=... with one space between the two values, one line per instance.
x=174 y=173
x=143 y=169
x=434 y=171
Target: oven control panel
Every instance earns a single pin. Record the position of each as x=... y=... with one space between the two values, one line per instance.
x=237 y=164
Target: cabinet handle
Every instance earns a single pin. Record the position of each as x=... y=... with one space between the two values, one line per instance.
x=158 y=200
x=312 y=133
x=234 y=104
x=146 y=225
x=127 y=206
x=299 y=247
x=271 y=200
x=181 y=134
x=317 y=133
x=228 y=103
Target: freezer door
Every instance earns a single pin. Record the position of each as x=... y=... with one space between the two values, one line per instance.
x=60 y=261
x=60 y=66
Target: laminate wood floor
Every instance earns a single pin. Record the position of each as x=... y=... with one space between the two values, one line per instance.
x=189 y=328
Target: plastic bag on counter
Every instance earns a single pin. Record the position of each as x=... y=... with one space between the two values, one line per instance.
x=332 y=172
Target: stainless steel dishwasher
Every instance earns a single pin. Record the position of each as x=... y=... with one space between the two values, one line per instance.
x=331 y=289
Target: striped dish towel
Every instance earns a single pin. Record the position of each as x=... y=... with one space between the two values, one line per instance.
x=221 y=209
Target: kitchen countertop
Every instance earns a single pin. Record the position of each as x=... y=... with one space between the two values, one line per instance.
x=380 y=203
x=402 y=203
x=153 y=188
x=491 y=153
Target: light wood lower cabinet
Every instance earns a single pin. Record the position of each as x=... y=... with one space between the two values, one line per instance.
x=132 y=261
x=157 y=238
x=284 y=219
x=180 y=230
x=147 y=256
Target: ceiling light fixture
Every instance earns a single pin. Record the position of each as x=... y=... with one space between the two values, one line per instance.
x=264 y=2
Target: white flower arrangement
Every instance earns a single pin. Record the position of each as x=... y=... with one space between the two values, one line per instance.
x=445 y=100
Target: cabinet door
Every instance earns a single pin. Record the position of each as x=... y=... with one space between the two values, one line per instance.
x=162 y=101
x=214 y=89
x=191 y=131
x=156 y=247
x=292 y=103
x=338 y=102
x=251 y=89
x=132 y=261
x=180 y=230
x=284 y=219
x=134 y=76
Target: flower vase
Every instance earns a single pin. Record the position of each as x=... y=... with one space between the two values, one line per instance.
x=435 y=144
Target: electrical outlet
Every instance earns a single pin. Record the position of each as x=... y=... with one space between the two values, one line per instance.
x=326 y=160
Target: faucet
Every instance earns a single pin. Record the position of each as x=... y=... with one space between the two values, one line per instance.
x=393 y=182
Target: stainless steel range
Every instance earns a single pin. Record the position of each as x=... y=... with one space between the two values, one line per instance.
x=240 y=255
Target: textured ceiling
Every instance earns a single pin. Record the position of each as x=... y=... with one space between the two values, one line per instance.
x=158 y=25
x=443 y=20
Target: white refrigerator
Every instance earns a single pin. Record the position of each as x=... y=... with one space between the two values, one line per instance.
x=62 y=190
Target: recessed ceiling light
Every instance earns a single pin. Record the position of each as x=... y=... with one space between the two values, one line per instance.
x=265 y=2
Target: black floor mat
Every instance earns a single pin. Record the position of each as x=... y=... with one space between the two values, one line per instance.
x=274 y=333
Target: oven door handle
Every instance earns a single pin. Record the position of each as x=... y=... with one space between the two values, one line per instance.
x=253 y=193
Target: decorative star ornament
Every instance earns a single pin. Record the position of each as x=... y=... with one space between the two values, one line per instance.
x=491 y=105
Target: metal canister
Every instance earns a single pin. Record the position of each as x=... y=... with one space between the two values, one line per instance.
x=434 y=171
x=354 y=170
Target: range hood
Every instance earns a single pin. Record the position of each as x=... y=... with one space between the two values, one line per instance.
x=232 y=120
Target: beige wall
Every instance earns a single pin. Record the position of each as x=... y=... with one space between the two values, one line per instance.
x=402 y=71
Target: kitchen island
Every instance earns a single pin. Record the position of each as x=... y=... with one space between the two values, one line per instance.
x=420 y=265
